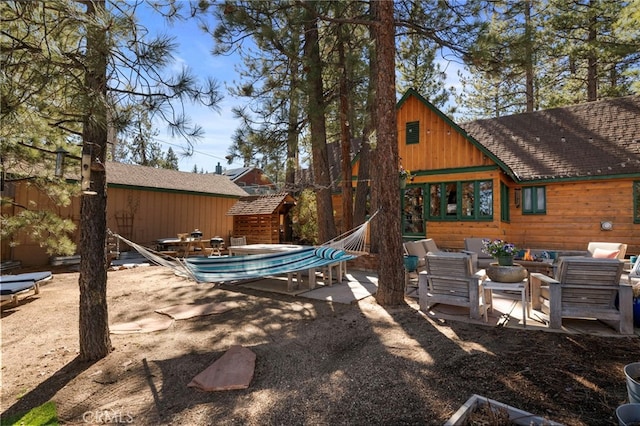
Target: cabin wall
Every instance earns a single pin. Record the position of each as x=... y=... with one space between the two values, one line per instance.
x=22 y=247
x=573 y=216
x=572 y=219
x=142 y=216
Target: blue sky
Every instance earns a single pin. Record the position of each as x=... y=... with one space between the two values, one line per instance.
x=194 y=51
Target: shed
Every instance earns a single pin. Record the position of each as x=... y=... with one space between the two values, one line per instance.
x=263 y=219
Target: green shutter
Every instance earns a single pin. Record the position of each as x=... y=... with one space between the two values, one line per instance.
x=413 y=132
x=505 y=214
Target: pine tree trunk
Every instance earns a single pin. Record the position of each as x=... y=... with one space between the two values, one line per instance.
x=316 y=113
x=345 y=136
x=390 y=261
x=363 y=187
x=94 y=322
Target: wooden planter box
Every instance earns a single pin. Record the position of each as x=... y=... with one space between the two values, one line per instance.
x=518 y=417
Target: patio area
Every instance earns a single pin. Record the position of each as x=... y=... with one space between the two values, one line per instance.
x=507 y=307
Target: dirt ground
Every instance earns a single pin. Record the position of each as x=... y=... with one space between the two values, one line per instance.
x=318 y=363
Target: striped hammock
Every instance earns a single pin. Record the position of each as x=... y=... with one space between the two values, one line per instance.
x=234 y=268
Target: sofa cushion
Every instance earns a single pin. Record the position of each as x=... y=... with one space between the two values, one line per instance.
x=599 y=253
x=622 y=248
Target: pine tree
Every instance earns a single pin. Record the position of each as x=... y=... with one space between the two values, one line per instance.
x=76 y=65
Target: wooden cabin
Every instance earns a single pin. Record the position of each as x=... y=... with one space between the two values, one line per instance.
x=554 y=179
x=262 y=219
x=253 y=180
x=144 y=204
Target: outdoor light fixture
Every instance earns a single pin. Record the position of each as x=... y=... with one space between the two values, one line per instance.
x=60 y=154
x=85 y=173
x=517 y=193
x=606 y=225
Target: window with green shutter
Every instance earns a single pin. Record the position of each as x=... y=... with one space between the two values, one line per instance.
x=413 y=132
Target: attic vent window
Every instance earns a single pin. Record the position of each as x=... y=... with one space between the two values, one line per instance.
x=413 y=132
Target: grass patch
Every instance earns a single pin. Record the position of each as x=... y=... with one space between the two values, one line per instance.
x=46 y=414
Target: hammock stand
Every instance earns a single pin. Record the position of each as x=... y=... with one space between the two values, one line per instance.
x=216 y=269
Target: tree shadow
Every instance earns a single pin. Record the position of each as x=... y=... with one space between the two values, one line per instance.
x=46 y=390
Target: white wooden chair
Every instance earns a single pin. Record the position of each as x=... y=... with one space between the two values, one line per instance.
x=238 y=241
x=584 y=288
x=450 y=279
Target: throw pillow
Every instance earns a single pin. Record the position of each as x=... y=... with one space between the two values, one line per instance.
x=599 y=253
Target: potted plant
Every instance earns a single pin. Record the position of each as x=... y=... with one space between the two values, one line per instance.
x=404 y=175
x=504 y=271
x=500 y=250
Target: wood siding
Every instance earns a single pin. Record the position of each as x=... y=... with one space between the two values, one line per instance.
x=144 y=216
x=258 y=229
x=573 y=215
x=440 y=145
x=140 y=215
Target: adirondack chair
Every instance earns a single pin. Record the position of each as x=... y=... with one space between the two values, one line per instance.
x=585 y=287
x=450 y=279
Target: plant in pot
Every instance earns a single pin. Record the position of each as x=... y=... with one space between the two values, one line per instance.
x=504 y=270
x=404 y=175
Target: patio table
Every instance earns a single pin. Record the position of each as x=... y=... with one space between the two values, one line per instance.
x=522 y=287
x=184 y=246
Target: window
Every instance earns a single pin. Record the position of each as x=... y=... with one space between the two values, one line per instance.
x=636 y=202
x=534 y=200
x=451 y=192
x=468 y=200
x=413 y=211
x=468 y=195
x=435 y=200
x=413 y=132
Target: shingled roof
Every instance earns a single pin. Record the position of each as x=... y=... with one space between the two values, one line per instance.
x=259 y=204
x=595 y=139
x=149 y=177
